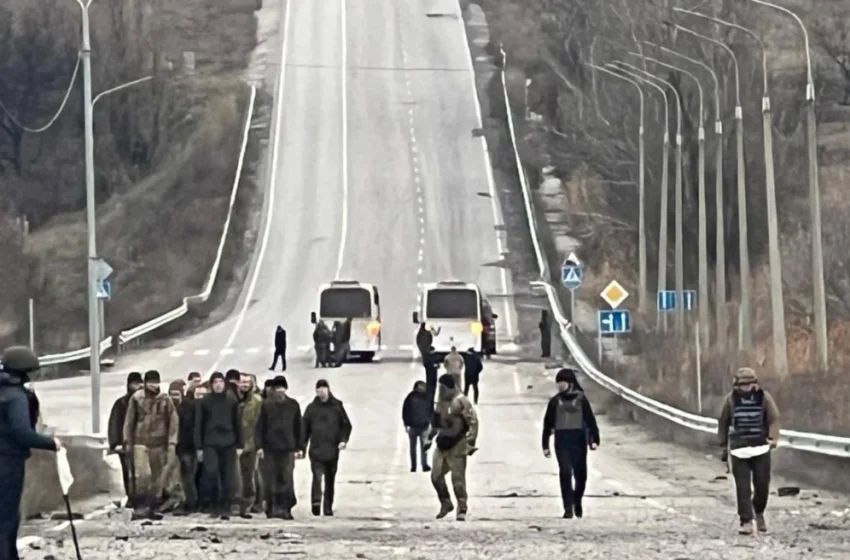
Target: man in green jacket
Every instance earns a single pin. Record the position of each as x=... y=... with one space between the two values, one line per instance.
x=250 y=404
x=749 y=428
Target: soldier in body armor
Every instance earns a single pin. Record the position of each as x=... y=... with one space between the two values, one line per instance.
x=455 y=428
x=749 y=428
x=571 y=419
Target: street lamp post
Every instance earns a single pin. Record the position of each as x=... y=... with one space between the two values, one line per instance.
x=641 y=190
x=91 y=212
x=720 y=265
x=703 y=307
x=648 y=78
x=745 y=332
x=814 y=202
x=94 y=318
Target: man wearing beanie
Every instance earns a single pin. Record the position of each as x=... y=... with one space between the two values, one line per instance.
x=186 y=445
x=115 y=431
x=455 y=428
x=218 y=441
x=327 y=430
x=279 y=443
x=150 y=434
x=570 y=417
x=749 y=426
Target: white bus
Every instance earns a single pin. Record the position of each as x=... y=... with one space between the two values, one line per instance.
x=458 y=315
x=349 y=299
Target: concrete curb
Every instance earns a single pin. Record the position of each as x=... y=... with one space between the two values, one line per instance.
x=92 y=476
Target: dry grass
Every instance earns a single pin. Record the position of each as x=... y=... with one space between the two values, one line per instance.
x=165 y=161
x=593 y=149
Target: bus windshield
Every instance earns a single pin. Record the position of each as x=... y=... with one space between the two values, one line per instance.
x=346 y=302
x=452 y=304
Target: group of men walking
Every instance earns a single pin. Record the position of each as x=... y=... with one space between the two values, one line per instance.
x=223 y=446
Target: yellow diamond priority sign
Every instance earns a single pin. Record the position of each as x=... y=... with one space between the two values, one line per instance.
x=614 y=294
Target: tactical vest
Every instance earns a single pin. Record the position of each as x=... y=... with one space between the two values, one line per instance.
x=748 y=423
x=570 y=414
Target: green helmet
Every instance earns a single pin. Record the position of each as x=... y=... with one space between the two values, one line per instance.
x=19 y=359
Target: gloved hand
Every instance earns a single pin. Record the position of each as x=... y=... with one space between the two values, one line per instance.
x=724 y=456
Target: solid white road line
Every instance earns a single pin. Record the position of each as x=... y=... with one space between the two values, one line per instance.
x=491 y=184
x=275 y=148
x=344 y=227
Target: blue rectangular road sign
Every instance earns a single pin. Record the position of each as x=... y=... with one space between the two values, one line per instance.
x=571 y=276
x=615 y=321
x=689 y=299
x=104 y=290
x=666 y=300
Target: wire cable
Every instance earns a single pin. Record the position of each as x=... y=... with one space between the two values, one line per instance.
x=58 y=113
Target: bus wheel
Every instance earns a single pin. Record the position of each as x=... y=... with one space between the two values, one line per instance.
x=367 y=357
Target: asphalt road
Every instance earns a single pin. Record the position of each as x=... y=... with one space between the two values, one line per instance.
x=645 y=499
x=388 y=184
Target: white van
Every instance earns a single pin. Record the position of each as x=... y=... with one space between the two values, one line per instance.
x=343 y=299
x=455 y=312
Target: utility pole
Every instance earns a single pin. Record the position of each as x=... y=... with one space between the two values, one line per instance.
x=91 y=223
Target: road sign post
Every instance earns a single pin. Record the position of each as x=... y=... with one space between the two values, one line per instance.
x=612 y=321
x=572 y=275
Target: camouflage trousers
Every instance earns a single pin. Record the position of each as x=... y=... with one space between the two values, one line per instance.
x=451 y=462
x=151 y=466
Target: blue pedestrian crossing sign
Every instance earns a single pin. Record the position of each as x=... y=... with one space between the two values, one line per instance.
x=615 y=321
x=571 y=276
x=689 y=299
x=666 y=300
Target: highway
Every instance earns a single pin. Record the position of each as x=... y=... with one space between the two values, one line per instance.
x=375 y=175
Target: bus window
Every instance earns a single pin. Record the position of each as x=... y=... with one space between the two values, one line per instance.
x=452 y=304
x=346 y=302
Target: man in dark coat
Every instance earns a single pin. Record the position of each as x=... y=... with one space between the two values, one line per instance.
x=432 y=365
x=327 y=430
x=545 y=326
x=569 y=417
x=186 y=452
x=472 y=369
x=18 y=417
x=322 y=339
x=279 y=349
x=279 y=443
x=416 y=413
x=115 y=432
x=218 y=437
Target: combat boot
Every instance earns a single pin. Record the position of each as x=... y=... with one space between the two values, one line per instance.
x=445 y=509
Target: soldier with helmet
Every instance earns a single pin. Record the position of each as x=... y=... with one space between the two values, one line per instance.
x=18 y=416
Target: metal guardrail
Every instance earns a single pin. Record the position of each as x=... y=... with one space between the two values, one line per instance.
x=803 y=441
x=155 y=323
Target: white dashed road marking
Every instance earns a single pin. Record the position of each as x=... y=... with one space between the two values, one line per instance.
x=202 y=352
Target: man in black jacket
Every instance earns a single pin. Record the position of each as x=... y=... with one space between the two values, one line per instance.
x=218 y=439
x=186 y=452
x=279 y=349
x=279 y=442
x=327 y=430
x=416 y=413
x=571 y=418
x=115 y=432
x=18 y=417
x=472 y=369
x=432 y=366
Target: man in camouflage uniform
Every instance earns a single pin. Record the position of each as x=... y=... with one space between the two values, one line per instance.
x=150 y=436
x=250 y=403
x=455 y=428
